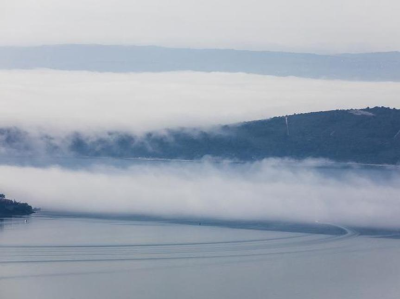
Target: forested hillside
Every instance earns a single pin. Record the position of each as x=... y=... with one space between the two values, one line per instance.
x=370 y=135
x=365 y=136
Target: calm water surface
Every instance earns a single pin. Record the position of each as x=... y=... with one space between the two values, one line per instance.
x=47 y=257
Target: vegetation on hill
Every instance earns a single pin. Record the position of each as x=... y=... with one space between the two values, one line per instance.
x=370 y=135
x=10 y=207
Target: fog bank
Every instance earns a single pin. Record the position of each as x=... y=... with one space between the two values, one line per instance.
x=266 y=190
x=66 y=101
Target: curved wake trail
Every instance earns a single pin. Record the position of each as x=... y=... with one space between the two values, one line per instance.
x=242 y=248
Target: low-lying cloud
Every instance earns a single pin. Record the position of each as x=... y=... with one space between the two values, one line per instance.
x=140 y=102
x=305 y=191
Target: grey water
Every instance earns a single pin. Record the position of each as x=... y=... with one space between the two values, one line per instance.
x=50 y=256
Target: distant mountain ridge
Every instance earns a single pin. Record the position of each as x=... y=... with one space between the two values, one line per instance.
x=370 y=135
x=101 y=58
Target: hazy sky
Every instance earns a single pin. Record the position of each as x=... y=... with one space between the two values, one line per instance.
x=58 y=100
x=307 y=25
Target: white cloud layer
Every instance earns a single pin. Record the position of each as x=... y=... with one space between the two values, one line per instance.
x=267 y=190
x=57 y=100
x=308 y=25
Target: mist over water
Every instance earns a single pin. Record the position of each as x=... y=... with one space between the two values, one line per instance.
x=283 y=190
x=60 y=103
x=124 y=227
x=265 y=228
